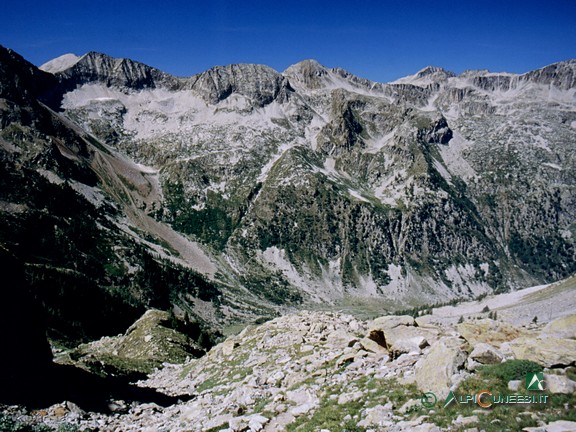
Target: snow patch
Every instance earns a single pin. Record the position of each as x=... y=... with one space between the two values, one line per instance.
x=51 y=176
x=60 y=64
x=92 y=194
x=552 y=165
x=357 y=195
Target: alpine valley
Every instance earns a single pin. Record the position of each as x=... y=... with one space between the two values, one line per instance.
x=241 y=193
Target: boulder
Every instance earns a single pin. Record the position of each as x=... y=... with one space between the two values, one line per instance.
x=489 y=331
x=404 y=339
x=372 y=346
x=559 y=384
x=434 y=372
x=388 y=322
x=547 y=352
x=564 y=328
x=486 y=354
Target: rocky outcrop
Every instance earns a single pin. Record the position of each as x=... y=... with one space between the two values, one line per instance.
x=561 y=75
x=155 y=338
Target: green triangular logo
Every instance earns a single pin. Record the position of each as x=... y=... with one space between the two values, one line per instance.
x=535 y=381
x=449 y=399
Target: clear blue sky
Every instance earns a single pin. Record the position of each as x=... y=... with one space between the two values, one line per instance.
x=380 y=40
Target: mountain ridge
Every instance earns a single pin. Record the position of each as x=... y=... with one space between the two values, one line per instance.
x=314 y=185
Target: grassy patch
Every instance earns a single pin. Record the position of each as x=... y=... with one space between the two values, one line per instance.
x=330 y=415
x=501 y=417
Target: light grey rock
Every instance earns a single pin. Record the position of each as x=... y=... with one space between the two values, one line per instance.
x=546 y=351
x=559 y=384
x=563 y=328
x=486 y=354
x=435 y=370
x=556 y=426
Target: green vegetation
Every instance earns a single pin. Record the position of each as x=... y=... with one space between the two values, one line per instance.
x=9 y=424
x=504 y=417
x=330 y=415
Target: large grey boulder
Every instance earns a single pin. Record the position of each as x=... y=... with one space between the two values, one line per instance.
x=548 y=352
x=486 y=354
x=559 y=384
x=434 y=372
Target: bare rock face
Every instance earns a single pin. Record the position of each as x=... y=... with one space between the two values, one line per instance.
x=115 y=72
x=260 y=84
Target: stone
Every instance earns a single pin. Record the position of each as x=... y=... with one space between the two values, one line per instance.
x=391 y=321
x=559 y=384
x=489 y=331
x=377 y=415
x=514 y=385
x=486 y=354
x=257 y=422
x=238 y=424
x=372 y=346
x=434 y=372
x=341 y=338
x=556 y=426
x=563 y=328
x=227 y=347
x=466 y=421
x=344 y=398
x=548 y=352
x=405 y=339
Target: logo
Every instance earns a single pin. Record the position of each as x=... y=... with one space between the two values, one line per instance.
x=428 y=399
x=449 y=399
x=535 y=381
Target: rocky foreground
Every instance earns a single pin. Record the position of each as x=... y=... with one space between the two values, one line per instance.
x=327 y=371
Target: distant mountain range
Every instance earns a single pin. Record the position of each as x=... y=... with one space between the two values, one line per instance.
x=241 y=191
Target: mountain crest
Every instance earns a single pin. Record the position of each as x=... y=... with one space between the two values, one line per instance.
x=113 y=72
x=260 y=83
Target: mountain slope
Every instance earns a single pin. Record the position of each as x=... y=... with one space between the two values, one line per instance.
x=314 y=185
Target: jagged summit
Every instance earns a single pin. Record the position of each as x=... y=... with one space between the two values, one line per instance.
x=260 y=83
x=434 y=70
x=115 y=72
x=426 y=76
x=308 y=73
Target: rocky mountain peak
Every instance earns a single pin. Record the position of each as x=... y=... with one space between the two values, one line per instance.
x=261 y=84
x=308 y=73
x=434 y=71
x=427 y=76
x=113 y=72
x=561 y=75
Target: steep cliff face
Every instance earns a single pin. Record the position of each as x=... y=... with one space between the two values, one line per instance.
x=259 y=84
x=316 y=185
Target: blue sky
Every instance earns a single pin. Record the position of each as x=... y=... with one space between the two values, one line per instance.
x=380 y=40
